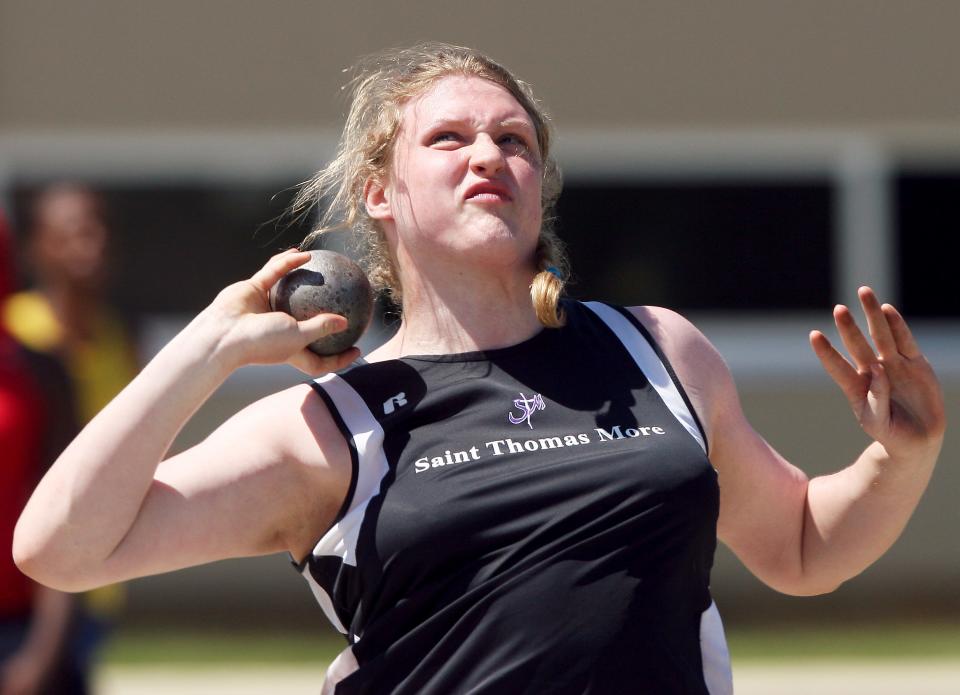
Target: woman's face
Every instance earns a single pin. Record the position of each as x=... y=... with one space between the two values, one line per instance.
x=465 y=176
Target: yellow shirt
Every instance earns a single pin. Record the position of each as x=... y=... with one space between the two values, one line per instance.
x=99 y=368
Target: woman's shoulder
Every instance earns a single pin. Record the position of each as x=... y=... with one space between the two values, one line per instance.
x=289 y=426
x=697 y=363
x=671 y=331
x=675 y=333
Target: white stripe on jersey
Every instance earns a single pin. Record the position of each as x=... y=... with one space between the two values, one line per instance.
x=714 y=653
x=649 y=363
x=367 y=435
x=339 y=668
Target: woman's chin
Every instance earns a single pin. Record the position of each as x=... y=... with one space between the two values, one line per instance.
x=497 y=247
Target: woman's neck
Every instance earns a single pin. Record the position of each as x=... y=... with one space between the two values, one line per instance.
x=462 y=311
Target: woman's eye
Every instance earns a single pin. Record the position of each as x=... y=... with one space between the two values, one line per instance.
x=514 y=141
x=444 y=137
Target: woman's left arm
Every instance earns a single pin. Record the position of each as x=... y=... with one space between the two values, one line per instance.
x=805 y=536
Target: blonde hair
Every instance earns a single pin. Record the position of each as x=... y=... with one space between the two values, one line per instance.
x=382 y=84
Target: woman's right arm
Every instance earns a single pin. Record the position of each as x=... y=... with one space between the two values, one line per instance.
x=107 y=509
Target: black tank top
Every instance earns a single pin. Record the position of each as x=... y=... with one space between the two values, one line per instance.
x=534 y=519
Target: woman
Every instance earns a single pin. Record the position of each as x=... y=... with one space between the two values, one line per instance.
x=500 y=506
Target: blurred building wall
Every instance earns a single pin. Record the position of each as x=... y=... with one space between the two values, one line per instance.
x=244 y=64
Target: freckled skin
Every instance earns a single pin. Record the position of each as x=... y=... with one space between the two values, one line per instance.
x=328 y=283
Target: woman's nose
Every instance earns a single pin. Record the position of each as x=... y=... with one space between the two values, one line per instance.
x=486 y=157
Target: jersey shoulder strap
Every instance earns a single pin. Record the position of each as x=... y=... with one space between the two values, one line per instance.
x=649 y=358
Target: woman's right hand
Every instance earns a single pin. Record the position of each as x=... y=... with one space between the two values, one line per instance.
x=99 y=511
x=250 y=333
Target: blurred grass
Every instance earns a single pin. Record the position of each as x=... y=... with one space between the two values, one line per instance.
x=202 y=647
x=206 y=647
x=913 y=641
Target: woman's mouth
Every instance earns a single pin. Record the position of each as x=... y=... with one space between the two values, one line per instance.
x=487 y=192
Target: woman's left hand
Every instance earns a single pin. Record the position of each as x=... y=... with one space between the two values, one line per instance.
x=892 y=389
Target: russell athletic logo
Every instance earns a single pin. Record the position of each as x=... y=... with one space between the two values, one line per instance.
x=527 y=408
x=394 y=402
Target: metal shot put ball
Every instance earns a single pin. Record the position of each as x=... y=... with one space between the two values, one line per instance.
x=328 y=283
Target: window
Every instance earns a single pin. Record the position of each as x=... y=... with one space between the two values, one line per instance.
x=927 y=218
x=738 y=245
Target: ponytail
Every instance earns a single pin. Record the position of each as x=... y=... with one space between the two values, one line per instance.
x=547 y=286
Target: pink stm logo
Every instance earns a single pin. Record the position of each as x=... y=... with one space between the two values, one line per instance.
x=527 y=407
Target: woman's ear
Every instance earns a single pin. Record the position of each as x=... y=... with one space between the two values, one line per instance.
x=377 y=200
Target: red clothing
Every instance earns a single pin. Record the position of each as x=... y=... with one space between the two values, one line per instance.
x=22 y=423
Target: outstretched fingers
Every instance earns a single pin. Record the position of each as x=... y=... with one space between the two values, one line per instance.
x=887 y=327
x=853 y=338
x=902 y=335
x=850 y=381
x=895 y=396
x=878 y=324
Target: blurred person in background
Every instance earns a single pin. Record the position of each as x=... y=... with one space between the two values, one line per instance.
x=36 y=423
x=65 y=314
